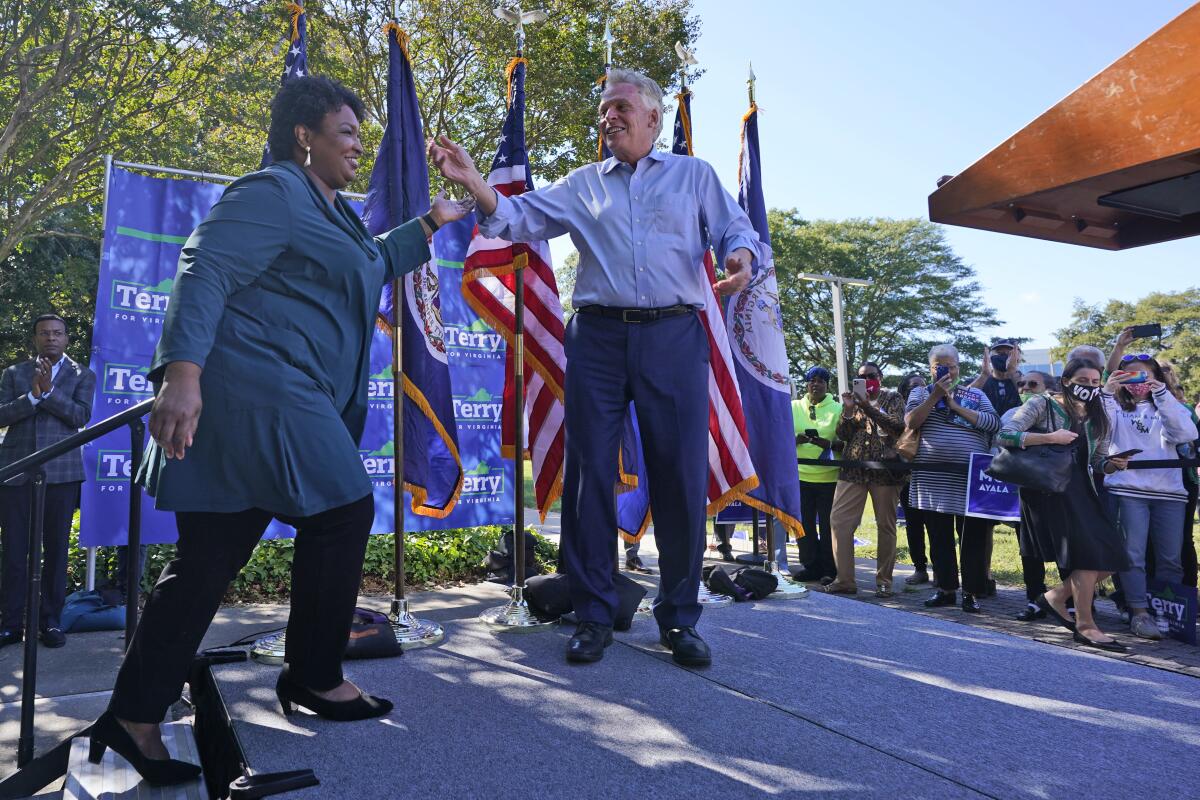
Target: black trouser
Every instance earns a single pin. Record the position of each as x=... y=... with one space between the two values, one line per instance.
x=1189 y=544
x=974 y=551
x=914 y=528
x=816 y=546
x=61 y=501
x=1033 y=573
x=212 y=548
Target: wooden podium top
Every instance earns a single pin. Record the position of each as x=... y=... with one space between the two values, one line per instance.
x=1114 y=165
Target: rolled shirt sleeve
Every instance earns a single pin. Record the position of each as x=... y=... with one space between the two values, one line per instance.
x=404 y=248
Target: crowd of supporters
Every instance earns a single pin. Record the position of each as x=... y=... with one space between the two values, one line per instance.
x=1111 y=521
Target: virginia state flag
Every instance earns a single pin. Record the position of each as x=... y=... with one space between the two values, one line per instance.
x=755 y=326
x=398 y=192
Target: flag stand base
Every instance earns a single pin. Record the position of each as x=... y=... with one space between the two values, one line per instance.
x=515 y=616
x=412 y=632
x=269 y=649
x=711 y=599
x=788 y=588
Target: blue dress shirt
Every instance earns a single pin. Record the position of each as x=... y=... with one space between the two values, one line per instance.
x=641 y=233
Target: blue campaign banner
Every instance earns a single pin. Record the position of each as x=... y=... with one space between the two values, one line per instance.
x=147 y=221
x=1174 y=607
x=988 y=497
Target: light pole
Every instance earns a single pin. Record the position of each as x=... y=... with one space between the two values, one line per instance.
x=836 y=282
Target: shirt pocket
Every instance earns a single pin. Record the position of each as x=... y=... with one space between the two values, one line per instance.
x=675 y=214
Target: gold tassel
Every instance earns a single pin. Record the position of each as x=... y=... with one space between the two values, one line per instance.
x=508 y=73
x=686 y=119
x=402 y=38
x=295 y=9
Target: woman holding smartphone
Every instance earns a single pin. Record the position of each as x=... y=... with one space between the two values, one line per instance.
x=1145 y=416
x=1071 y=528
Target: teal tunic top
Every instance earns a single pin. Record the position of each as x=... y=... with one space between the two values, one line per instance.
x=275 y=297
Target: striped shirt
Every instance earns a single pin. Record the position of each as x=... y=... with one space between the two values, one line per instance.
x=945 y=440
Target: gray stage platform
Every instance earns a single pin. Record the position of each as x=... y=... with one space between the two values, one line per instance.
x=820 y=697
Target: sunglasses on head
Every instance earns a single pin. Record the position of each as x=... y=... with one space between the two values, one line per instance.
x=1138 y=357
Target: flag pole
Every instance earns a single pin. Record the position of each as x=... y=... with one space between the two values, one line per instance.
x=515 y=615
x=410 y=631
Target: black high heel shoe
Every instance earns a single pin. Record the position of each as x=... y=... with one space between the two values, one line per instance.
x=291 y=694
x=107 y=732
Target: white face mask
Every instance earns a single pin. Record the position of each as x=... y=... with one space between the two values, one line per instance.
x=1084 y=394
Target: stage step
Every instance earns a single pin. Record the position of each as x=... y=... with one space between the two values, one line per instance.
x=114 y=778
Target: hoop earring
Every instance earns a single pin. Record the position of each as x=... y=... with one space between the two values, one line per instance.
x=308 y=156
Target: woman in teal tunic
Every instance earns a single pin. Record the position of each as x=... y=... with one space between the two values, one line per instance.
x=269 y=332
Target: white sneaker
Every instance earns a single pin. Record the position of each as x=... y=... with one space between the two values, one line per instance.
x=1143 y=626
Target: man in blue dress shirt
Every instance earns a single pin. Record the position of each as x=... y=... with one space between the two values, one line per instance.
x=641 y=221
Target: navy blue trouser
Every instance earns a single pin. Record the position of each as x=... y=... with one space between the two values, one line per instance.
x=662 y=367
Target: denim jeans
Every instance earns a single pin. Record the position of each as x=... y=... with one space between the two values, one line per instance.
x=1160 y=521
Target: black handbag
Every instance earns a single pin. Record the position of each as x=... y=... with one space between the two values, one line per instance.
x=1043 y=467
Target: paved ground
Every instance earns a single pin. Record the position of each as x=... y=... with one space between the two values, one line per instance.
x=889 y=686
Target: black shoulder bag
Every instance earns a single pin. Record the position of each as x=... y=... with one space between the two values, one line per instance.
x=1043 y=467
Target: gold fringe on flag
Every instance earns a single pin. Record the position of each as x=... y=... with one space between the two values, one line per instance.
x=508 y=73
x=401 y=37
x=295 y=9
x=685 y=118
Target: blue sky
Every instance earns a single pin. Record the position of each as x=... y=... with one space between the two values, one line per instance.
x=865 y=104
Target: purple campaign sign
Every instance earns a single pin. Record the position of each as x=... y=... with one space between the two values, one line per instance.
x=147 y=222
x=988 y=497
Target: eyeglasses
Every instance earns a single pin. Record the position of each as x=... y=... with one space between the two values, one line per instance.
x=1138 y=357
x=869 y=375
x=1030 y=384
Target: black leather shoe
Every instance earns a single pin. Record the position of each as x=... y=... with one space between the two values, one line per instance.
x=990 y=591
x=588 y=643
x=292 y=694
x=726 y=552
x=635 y=564
x=11 y=637
x=970 y=605
x=1031 y=613
x=686 y=646
x=942 y=599
x=107 y=732
x=1044 y=605
x=53 y=637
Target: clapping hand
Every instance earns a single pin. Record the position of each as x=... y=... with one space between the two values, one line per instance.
x=42 y=375
x=738 y=265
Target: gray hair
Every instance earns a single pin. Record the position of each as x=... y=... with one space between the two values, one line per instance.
x=651 y=94
x=942 y=351
x=1088 y=353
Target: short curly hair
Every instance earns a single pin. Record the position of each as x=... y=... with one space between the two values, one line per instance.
x=305 y=101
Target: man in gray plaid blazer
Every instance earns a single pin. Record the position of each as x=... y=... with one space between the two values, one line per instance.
x=42 y=401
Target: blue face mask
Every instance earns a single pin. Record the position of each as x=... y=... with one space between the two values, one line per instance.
x=999 y=363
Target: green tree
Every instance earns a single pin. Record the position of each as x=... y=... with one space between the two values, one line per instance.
x=564 y=276
x=923 y=294
x=1177 y=312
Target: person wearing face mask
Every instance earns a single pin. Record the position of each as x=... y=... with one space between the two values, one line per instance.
x=1033 y=564
x=1071 y=528
x=1000 y=373
x=1144 y=415
x=815 y=418
x=954 y=422
x=869 y=427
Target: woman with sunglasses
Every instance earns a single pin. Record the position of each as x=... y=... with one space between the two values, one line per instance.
x=1146 y=417
x=1071 y=528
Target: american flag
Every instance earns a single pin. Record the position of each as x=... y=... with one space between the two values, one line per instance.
x=730 y=469
x=488 y=287
x=295 y=62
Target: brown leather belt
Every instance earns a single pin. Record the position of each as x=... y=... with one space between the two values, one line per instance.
x=636 y=314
